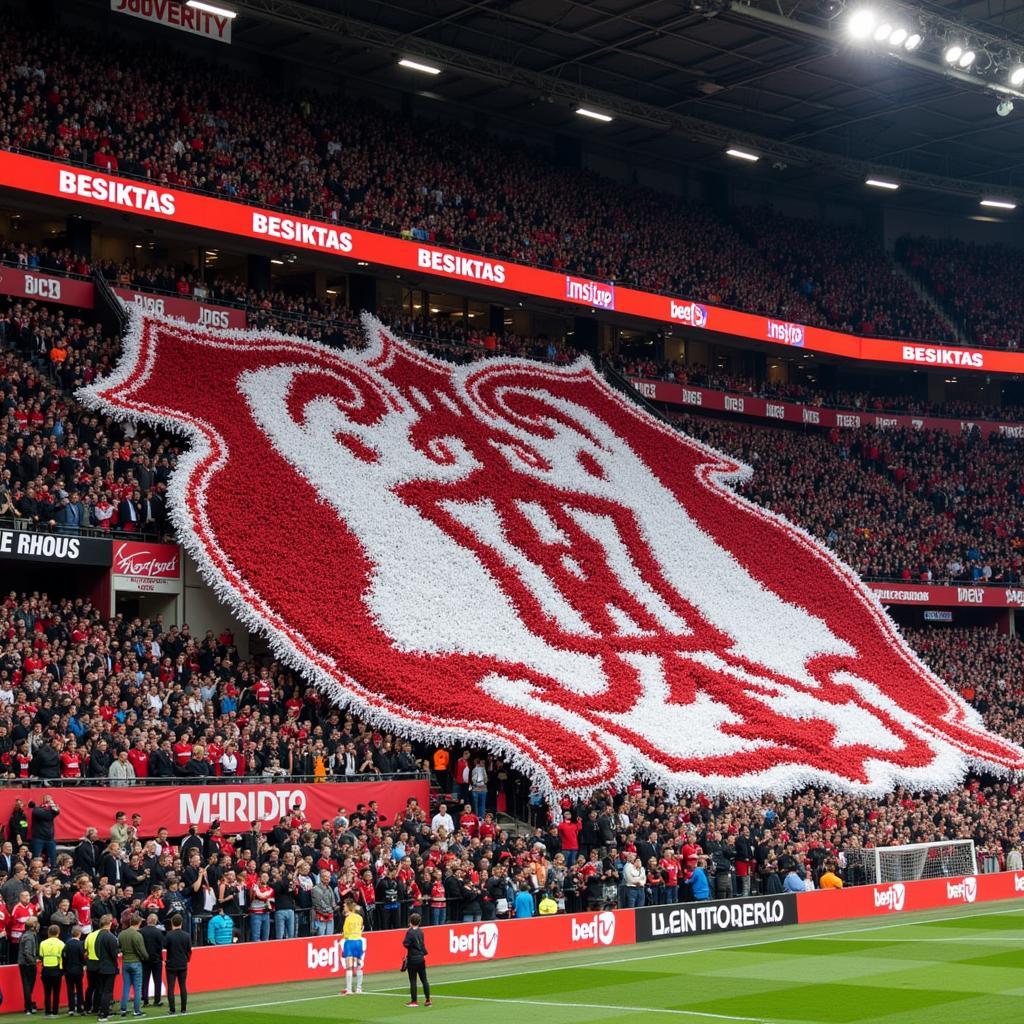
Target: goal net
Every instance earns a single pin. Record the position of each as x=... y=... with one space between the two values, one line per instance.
x=908 y=863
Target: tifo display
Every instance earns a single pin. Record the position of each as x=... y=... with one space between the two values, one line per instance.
x=512 y=510
x=528 y=576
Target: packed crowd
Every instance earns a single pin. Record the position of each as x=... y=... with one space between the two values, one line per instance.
x=979 y=286
x=28 y=256
x=63 y=467
x=851 y=281
x=895 y=504
x=71 y=98
x=985 y=666
x=79 y=696
x=132 y=699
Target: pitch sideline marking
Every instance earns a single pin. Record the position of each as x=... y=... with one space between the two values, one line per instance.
x=606 y=963
x=711 y=949
x=590 y=1006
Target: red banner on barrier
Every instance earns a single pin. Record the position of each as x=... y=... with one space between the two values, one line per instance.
x=221 y=968
x=44 y=177
x=46 y=287
x=777 y=411
x=901 y=897
x=235 y=807
x=192 y=311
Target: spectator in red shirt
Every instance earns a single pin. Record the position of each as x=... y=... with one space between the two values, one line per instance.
x=138 y=756
x=70 y=761
x=183 y=750
x=569 y=836
x=469 y=822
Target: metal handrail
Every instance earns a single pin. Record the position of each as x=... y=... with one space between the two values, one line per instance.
x=216 y=780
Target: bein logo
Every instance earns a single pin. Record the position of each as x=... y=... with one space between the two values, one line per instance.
x=598 y=931
x=481 y=942
x=892 y=897
x=1018 y=883
x=319 y=958
x=788 y=334
x=965 y=891
x=690 y=313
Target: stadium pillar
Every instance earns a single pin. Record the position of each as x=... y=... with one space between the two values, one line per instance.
x=79 y=232
x=585 y=335
x=496 y=319
x=258 y=272
x=362 y=292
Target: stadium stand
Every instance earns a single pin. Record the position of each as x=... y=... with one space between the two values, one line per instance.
x=189 y=708
x=979 y=286
x=899 y=504
x=66 y=710
x=449 y=187
x=79 y=689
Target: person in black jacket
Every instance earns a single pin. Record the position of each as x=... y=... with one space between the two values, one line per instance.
x=416 y=960
x=45 y=762
x=390 y=897
x=472 y=908
x=17 y=824
x=43 y=841
x=28 y=954
x=103 y=903
x=284 y=904
x=100 y=761
x=111 y=865
x=74 y=971
x=161 y=761
x=179 y=953
x=153 y=965
x=86 y=857
x=107 y=950
x=196 y=767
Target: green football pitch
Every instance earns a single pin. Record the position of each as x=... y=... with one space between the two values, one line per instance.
x=941 y=967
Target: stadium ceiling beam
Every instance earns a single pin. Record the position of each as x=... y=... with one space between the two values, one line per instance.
x=556 y=90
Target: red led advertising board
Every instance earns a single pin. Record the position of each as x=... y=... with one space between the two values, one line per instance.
x=100 y=189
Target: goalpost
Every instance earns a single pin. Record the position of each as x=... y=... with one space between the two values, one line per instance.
x=947 y=859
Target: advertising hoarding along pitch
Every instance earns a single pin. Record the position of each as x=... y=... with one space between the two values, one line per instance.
x=220 y=968
x=108 y=190
x=709 y=916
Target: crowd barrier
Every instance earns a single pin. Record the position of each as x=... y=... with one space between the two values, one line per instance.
x=219 y=968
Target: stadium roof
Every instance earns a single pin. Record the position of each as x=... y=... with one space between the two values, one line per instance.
x=685 y=78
